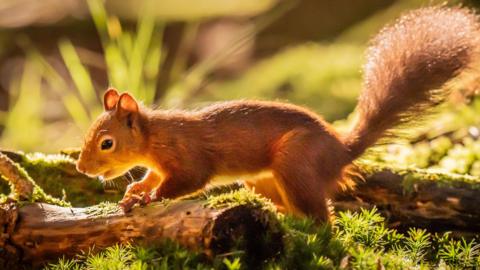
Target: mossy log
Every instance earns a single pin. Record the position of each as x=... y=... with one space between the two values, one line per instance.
x=37 y=233
x=21 y=185
x=437 y=202
x=419 y=198
x=58 y=177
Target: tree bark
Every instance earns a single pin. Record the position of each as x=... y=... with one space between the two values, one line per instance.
x=435 y=205
x=38 y=233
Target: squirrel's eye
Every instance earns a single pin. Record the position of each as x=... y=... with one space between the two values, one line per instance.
x=107 y=144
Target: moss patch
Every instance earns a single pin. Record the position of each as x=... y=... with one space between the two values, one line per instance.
x=241 y=196
x=57 y=175
x=103 y=209
x=414 y=175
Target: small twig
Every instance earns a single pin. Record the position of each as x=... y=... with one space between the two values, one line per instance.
x=21 y=184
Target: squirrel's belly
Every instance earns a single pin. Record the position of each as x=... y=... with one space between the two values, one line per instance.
x=251 y=177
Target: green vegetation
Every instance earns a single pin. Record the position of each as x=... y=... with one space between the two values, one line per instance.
x=57 y=176
x=36 y=195
x=345 y=244
x=324 y=76
x=103 y=208
x=412 y=175
x=452 y=146
x=355 y=240
x=238 y=197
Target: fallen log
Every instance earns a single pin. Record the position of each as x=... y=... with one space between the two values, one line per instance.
x=436 y=201
x=37 y=233
x=406 y=197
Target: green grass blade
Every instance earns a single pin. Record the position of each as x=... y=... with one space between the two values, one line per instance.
x=140 y=47
x=117 y=68
x=152 y=68
x=99 y=16
x=23 y=129
x=73 y=105
x=78 y=72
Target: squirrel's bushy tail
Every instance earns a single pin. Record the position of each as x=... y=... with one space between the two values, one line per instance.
x=408 y=63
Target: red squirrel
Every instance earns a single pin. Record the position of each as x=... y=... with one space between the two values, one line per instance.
x=407 y=65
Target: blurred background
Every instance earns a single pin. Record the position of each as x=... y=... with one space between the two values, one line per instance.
x=57 y=57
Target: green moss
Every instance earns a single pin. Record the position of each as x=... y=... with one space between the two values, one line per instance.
x=217 y=190
x=71 y=152
x=3 y=198
x=57 y=175
x=413 y=175
x=168 y=255
x=49 y=161
x=308 y=246
x=242 y=196
x=38 y=195
x=231 y=195
x=103 y=209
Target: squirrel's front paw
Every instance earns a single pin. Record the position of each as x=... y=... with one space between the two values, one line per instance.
x=136 y=193
x=137 y=188
x=129 y=201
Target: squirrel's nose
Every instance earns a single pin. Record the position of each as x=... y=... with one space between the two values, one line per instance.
x=80 y=167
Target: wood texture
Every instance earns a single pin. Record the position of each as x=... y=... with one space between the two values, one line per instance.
x=427 y=204
x=46 y=232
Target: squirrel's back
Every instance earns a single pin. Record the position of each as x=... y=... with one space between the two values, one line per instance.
x=407 y=65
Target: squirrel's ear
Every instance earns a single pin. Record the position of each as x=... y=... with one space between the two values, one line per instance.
x=127 y=103
x=110 y=99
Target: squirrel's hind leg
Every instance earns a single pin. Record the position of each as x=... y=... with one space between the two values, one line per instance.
x=302 y=194
x=306 y=165
x=267 y=187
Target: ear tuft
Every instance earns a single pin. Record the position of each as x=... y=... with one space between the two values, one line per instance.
x=110 y=99
x=127 y=103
